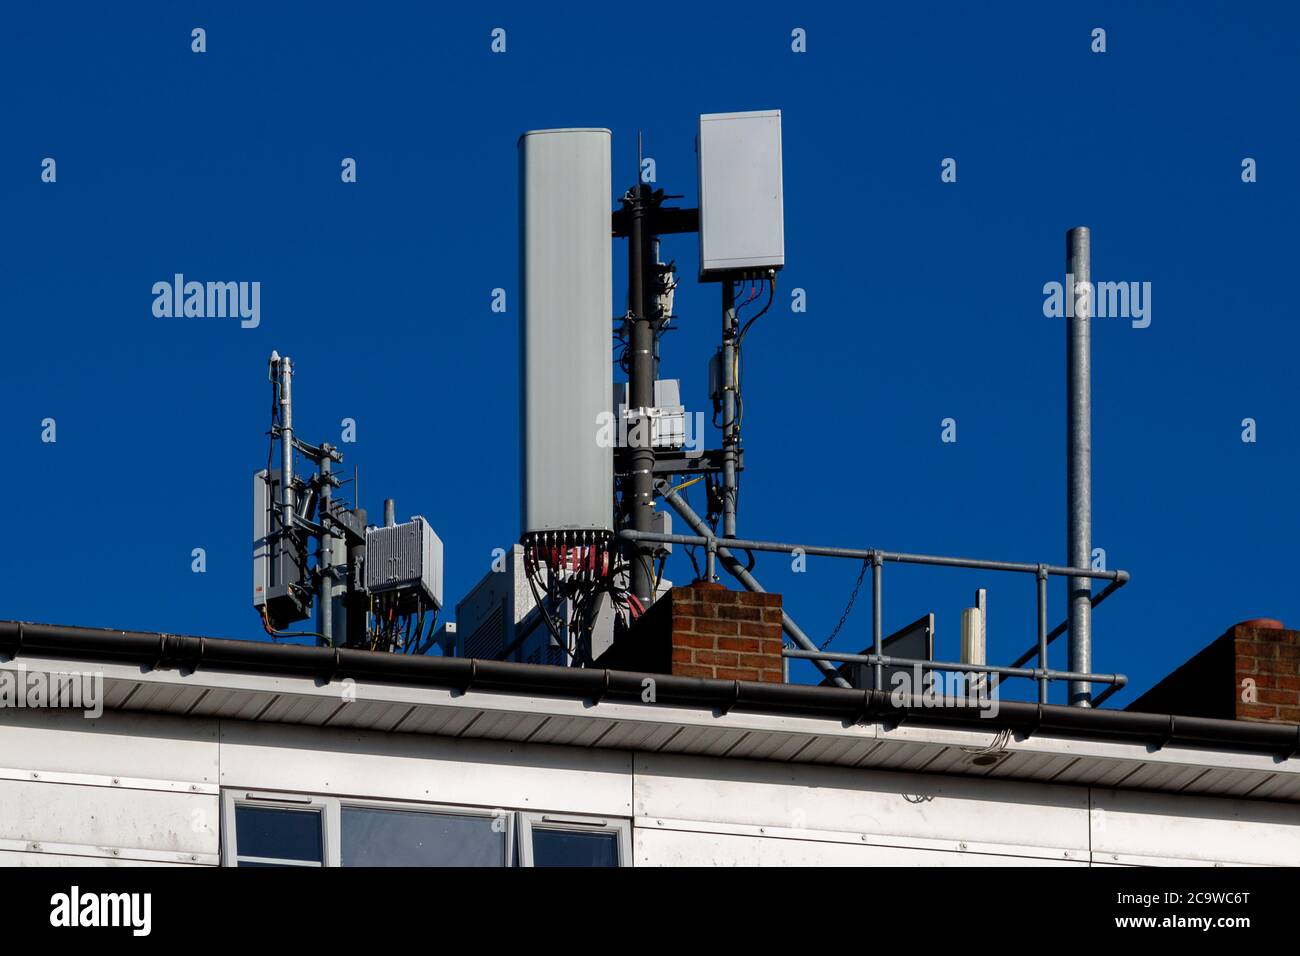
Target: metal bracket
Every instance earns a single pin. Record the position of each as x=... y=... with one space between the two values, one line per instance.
x=677 y=461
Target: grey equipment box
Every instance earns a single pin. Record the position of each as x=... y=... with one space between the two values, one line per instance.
x=742 y=218
x=488 y=617
x=405 y=555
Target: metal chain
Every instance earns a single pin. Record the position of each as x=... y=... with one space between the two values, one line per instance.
x=848 y=608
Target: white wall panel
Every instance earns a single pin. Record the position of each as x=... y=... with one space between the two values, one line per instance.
x=108 y=817
x=116 y=744
x=437 y=769
x=1131 y=824
x=869 y=802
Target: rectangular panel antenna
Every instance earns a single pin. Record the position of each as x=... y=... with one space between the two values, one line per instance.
x=566 y=363
x=742 y=217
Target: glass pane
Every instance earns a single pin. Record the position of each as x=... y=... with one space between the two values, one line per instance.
x=277 y=833
x=574 y=848
x=411 y=838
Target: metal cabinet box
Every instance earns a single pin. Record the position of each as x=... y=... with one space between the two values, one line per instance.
x=487 y=618
x=403 y=556
x=742 y=219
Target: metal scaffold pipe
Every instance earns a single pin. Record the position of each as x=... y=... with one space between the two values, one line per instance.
x=1078 y=265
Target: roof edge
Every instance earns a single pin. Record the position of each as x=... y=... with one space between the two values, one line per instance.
x=188 y=654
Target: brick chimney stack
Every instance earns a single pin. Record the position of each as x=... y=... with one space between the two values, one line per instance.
x=1251 y=672
x=705 y=630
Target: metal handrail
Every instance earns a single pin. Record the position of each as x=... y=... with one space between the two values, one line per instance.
x=877 y=558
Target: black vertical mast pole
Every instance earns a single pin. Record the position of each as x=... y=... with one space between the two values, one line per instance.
x=730 y=439
x=641 y=390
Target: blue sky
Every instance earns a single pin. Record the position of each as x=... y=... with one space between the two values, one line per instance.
x=924 y=298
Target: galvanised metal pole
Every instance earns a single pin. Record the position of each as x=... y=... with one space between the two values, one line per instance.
x=866 y=554
x=729 y=425
x=878 y=617
x=286 y=443
x=325 y=624
x=641 y=392
x=954 y=666
x=1042 y=634
x=390 y=512
x=1078 y=389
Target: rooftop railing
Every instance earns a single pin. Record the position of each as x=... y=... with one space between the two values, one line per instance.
x=720 y=549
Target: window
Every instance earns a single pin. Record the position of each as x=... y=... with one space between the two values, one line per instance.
x=552 y=840
x=375 y=837
x=274 y=835
x=263 y=829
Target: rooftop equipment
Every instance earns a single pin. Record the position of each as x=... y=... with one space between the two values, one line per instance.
x=593 y=462
x=565 y=361
x=370 y=587
x=565 y=373
x=742 y=214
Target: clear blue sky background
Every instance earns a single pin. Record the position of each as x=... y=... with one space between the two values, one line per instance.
x=924 y=298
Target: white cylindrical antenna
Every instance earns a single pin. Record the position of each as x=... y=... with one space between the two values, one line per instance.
x=566 y=365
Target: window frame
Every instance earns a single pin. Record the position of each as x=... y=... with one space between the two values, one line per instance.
x=330 y=810
x=621 y=827
x=303 y=803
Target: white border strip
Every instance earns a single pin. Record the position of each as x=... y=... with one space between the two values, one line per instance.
x=864 y=839
x=110 y=852
x=104 y=780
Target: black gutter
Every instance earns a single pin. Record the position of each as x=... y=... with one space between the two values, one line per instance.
x=324 y=665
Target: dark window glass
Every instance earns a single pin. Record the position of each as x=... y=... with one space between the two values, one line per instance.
x=278 y=834
x=373 y=837
x=574 y=848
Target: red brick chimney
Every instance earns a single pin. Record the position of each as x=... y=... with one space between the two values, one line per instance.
x=1268 y=656
x=1251 y=672
x=705 y=630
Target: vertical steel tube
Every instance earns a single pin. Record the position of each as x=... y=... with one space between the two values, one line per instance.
x=878 y=618
x=641 y=393
x=325 y=611
x=357 y=608
x=390 y=512
x=1078 y=264
x=1042 y=634
x=729 y=424
x=286 y=443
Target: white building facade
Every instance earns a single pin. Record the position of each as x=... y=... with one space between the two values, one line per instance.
x=210 y=767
